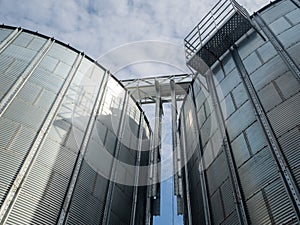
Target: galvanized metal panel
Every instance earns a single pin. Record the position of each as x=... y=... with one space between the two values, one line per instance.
x=85 y=208
x=62 y=53
x=9 y=129
x=266 y=51
x=26 y=114
x=256 y=137
x=257 y=172
x=227 y=106
x=232 y=219
x=293 y=16
x=290 y=36
x=240 y=150
x=279 y=25
x=278 y=10
x=87 y=177
x=46 y=80
x=269 y=97
x=217 y=173
x=283 y=120
x=10 y=70
x=228 y=83
x=30 y=92
x=57 y=157
x=279 y=203
x=10 y=163
x=100 y=188
x=122 y=200
x=240 y=120
x=20 y=53
x=217 y=209
x=43 y=194
x=4 y=33
x=252 y=62
x=290 y=143
x=228 y=197
x=239 y=95
x=268 y=72
x=288 y=84
x=258 y=211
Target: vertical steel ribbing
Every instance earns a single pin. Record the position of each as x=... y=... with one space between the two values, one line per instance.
x=186 y=175
x=10 y=39
x=111 y=184
x=17 y=86
x=31 y=156
x=203 y=178
x=240 y=205
x=278 y=46
x=137 y=164
x=83 y=148
x=270 y=136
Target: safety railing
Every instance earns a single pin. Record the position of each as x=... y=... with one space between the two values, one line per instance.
x=209 y=25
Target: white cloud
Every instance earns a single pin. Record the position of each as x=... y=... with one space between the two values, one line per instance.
x=98 y=26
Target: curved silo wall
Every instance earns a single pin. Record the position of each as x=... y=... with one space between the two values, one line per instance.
x=257 y=89
x=64 y=121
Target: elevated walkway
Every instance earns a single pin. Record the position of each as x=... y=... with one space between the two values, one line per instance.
x=144 y=89
x=216 y=33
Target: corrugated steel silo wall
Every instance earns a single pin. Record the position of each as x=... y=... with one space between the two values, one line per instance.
x=48 y=94
x=264 y=192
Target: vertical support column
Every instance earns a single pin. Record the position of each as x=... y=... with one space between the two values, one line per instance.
x=137 y=164
x=186 y=175
x=178 y=185
x=240 y=205
x=278 y=46
x=31 y=156
x=202 y=167
x=156 y=140
x=275 y=148
x=82 y=150
x=155 y=156
x=174 y=138
x=111 y=185
x=149 y=186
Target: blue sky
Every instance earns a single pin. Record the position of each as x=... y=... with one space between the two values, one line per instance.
x=98 y=28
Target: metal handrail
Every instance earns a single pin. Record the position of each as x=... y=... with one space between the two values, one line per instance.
x=210 y=24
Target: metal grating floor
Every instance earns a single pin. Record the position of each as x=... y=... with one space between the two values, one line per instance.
x=221 y=41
